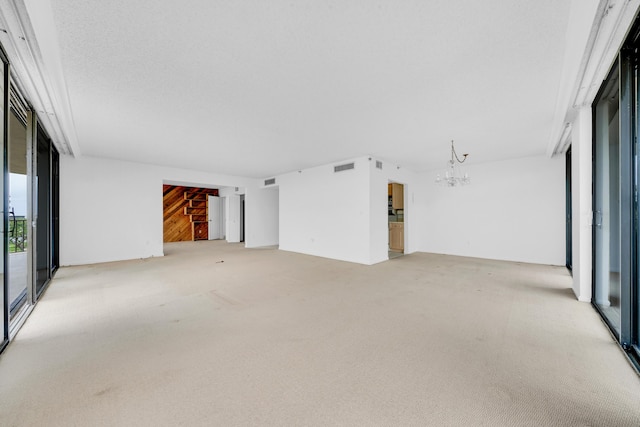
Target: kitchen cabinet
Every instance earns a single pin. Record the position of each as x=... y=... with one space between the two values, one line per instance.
x=397 y=196
x=396 y=236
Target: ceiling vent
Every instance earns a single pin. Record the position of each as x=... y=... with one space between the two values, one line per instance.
x=269 y=181
x=345 y=167
x=378 y=164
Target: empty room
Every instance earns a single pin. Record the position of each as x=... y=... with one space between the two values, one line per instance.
x=320 y=213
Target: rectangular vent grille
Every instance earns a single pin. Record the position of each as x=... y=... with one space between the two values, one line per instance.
x=269 y=181
x=378 y=164
x=345 y=167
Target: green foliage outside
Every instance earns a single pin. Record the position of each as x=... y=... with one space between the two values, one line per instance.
x=17 y=235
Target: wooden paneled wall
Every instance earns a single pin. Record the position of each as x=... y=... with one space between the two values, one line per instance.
x=177 y=226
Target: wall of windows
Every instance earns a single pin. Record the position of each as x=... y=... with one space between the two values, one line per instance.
x=30 y=206
x=616 y=116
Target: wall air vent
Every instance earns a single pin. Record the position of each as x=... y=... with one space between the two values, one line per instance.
x=378 y=164
x=345 y=167
x=269 y=181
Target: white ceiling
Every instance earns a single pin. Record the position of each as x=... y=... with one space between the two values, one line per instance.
x=256 y=88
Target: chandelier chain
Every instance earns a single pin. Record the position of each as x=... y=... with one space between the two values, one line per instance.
x=453 y=153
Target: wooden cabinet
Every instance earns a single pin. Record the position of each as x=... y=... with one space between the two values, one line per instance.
x=200 y=230
x=397 y=196
x=197 y=213
x=396 y=236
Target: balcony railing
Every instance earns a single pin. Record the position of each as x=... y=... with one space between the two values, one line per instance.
x=17 y=234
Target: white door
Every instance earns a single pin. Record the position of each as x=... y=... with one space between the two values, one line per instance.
x=215 y=221
x=223 y=218
x=233 y=219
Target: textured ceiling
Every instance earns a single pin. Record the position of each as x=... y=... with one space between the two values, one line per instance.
x=255 y=88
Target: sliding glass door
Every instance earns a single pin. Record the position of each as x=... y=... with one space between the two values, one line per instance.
x=606 y=202
x=46 y=217
x=55 y=210
x=616 y=259
x=568 y=213
x=4 y=288
x=17 y=228
x=631 y=294
x=29 y=196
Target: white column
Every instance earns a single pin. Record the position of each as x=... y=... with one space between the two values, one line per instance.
x=581 y=177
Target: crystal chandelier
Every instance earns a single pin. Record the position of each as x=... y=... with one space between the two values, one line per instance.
x=451 y=178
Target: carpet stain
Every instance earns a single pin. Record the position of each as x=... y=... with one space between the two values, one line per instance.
x=104 y=391
x=225 y=299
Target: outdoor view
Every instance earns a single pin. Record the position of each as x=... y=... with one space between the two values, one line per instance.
x=17 y=213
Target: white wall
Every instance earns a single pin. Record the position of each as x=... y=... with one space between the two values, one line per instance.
x=344 y=215
x=513 y=210
x=111 y=210
x=327 y=214
x=262 y=217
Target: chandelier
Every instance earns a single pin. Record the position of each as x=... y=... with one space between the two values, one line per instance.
x=451 y=177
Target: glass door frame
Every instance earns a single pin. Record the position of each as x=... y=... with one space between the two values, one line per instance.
x=602 y=213
x=631 y=341
x=628 y=112
x=17 y=319
x=626 y=69
x=629 y=59
x=49 y=221
x=4 y=62
x=568 y=213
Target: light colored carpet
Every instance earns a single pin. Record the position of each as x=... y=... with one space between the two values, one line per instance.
x=270 y=338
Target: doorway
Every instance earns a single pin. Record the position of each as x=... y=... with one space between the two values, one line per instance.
x=242 y=217
x=395 y=214
x=185 y=216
